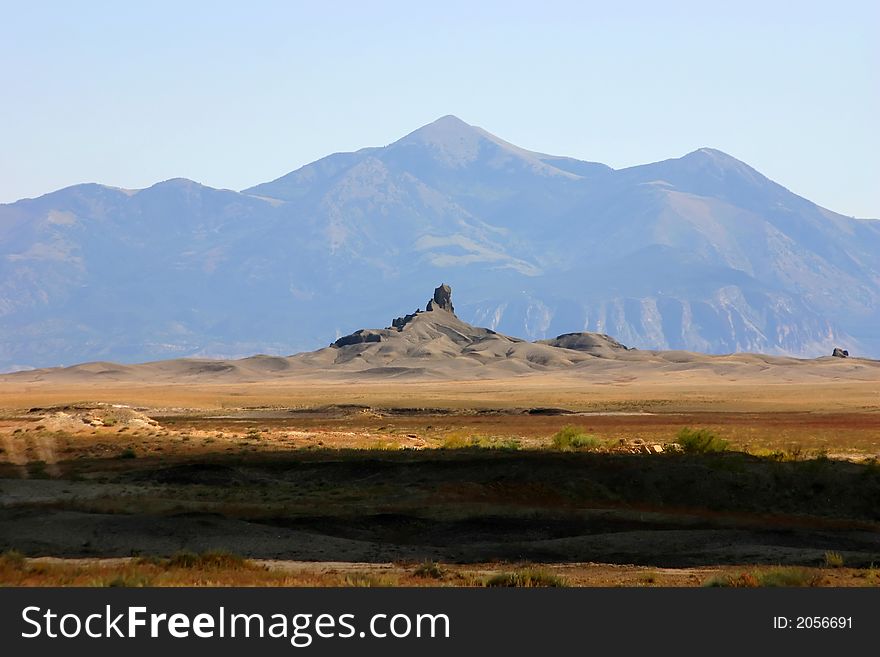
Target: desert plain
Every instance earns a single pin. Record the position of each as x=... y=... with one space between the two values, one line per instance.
x=444 y=482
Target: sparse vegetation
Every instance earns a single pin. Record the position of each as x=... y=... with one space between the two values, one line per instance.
x=368 y=580
x=774 y=577
x=788 y=577
x=871 y=574
x=133 y=580
x=208 y=560
x=777 y=455
x=526 y=578
x=740 y=581
x=821 y=454
x=570 y=437
x=128 y=453
x=429 y=569
x=461 y=441
x=833 y=559
x=383 y=445
x=12 y=559
x=700 y=441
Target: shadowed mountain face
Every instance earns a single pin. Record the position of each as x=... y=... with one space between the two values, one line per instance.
x=700 y=253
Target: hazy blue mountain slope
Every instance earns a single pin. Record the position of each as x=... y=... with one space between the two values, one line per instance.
x=700 y=252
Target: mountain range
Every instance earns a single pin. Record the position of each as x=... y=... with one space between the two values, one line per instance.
x=697 y=253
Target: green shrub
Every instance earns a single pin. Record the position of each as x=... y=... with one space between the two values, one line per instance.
x=570 y=437
x=741 y=581
x=526 y=578
x=455 y=441
x=214 y=559
x=128 y=581
x=12 y=559
x=833 y=559
x=149 y=560
x=127 y=453
x=700 y=441
x=775 y=577
x=459 y=441
x=366 y=580
x=429 y=570
x=788 y=577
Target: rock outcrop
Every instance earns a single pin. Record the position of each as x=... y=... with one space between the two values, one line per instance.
x=442 y=299
x=400 y=322
x=436 y=341
x=840 y=353
x=360 y=336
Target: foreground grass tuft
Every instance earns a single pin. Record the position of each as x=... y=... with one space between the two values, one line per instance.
x=458 y=441
x=129 y=580
x=526 y=578
x=833 y=559
x=776 y=577
x=429 y=570
x=570 y=437
x=12 y=559
x=700 y=441
x=367 y=580
x=212 y=560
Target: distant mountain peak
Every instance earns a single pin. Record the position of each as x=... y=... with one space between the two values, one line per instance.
x=451 y=120
x=706 y=171
x=719 y=160
x=706 y=154
x=177 y=183
x=442 y=132
x=456 y=143
x=713 y=152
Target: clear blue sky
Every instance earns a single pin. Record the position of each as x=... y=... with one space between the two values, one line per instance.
x=235 y=93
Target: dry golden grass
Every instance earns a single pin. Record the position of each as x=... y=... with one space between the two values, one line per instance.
x=135 y=572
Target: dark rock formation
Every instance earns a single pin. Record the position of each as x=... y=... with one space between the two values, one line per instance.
x=358 y=337
x=400 y=322
x=840 y=353
x=442 y=299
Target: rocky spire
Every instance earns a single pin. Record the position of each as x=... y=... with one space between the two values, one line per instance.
x=442 y=299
